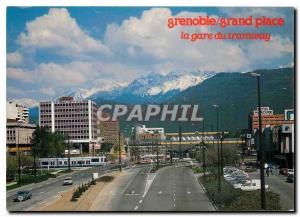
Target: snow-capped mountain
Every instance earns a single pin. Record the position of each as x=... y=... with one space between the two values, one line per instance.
x=155 y=88
x=105 y=87
x=151 y=88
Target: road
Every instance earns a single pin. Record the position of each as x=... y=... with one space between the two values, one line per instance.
x=46 y=191
x=278 y=184
x=172 y=188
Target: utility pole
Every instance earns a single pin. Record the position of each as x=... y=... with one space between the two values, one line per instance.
x=157 y=159
x=203 y=151
x=180 y=135
x=171 y=154
x=34 y=160
x=219 y=175
x=69 y=153
x=222 y=137
x=18 y=154
x=260 y=145
x=120 y=162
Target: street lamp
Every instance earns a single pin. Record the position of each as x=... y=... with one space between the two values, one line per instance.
x=219 y=175
x=120 y=160
x=18 y=153
x=260 y=145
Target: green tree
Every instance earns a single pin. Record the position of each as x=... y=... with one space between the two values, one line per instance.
x=47 y=144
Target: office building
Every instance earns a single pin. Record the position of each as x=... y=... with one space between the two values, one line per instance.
x=19 y=137
x=76 y=119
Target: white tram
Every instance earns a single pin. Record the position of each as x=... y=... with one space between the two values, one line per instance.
x=74 y=161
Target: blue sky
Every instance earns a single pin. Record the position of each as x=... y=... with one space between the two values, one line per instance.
x=53 y=50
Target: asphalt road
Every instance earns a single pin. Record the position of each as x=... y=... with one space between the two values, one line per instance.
x=172 y=188
x=278 y=184
x=46 y=191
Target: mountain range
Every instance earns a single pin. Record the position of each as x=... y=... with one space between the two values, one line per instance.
x=235 y=93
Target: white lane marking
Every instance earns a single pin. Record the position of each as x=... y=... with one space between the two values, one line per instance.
x=127 y=194
x=41 y=192
x=188 y=192
x=140 y=201
x=160 y=192
x=136 y=207
x=148 y=183
x=132 y=192
x=129 y=183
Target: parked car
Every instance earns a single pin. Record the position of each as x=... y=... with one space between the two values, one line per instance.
x=252 y=186
x=190 y=164
x=68 y=181
x=22 y=196
x=290 y=178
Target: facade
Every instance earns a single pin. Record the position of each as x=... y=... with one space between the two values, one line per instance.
x=269 y=119
x=279 y=141
x=16 y=112
x=77 y=120
x=109 y=132
x=18 y=137
x=143 y=133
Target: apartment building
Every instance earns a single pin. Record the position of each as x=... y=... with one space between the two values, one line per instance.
x=16 y=112
x=76 y=119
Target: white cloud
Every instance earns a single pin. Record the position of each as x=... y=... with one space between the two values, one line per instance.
x=14 y=58
x=148 y=37
x=48 y=91
x=57 y=30
x=275 y=48
x=19 y=74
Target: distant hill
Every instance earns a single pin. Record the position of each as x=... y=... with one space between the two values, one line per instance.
x=236 y=95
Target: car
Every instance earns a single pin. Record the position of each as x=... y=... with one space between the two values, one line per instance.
x=190 y=164
x=252 y=186
x=22 y=196
x=68 y=181
x=290 y=178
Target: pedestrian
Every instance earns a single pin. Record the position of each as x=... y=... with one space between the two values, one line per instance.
x=268 y=171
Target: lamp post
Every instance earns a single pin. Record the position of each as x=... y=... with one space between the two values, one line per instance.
x=18 y=154
x=171 y=153
x=219 y=175
x=222 y=165
x=157 y=159
x=120 y=162
x=69 y=163
x=260 y=145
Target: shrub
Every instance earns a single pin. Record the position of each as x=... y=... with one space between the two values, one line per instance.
x=198 y=170
x=250 y=201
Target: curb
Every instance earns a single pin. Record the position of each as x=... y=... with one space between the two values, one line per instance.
x=203 y=188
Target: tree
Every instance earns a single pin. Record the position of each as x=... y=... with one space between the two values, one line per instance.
x=231 y=155
x=47 y=144
x=106 y=147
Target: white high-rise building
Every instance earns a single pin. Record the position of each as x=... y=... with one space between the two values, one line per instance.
x=16 y=112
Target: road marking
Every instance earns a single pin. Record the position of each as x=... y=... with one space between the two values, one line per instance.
x=188 y=192
x=148 y=183
x=132 y=192
x=136 y=207
x=127 y=194
x=140 y=201
x=160 y=192
x=42 y=192
x=129 y=183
